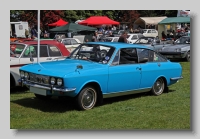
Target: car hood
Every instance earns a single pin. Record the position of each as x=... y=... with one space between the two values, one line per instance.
x=61 y=68
x=173 y=47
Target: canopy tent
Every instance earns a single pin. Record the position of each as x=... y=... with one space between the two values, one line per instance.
x=99 y=20
x=143 y=21
x=58 y=23
x=171 y=20
x=72 y=27
x=169 y=24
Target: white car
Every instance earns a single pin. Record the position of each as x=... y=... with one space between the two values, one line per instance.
x=70 y=43
x=25 y=53
x=150 y=32
x=110 y=39
x=132 y=38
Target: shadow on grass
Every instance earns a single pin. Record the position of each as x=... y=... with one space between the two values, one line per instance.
x=63 y=104
x=18 y=89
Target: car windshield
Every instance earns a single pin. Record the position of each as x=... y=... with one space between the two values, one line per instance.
x=115 y=32
x=144 y=40
x=144 y=30
x=183 y=40
x=93 y=52
x=17 y=49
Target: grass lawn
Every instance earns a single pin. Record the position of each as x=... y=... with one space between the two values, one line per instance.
x=170 y=111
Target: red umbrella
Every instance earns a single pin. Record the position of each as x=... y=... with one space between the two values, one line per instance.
x=99 y=20
x=58 y=23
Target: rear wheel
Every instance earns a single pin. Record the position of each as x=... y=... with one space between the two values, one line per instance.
x=158 y=87
x=87 y=98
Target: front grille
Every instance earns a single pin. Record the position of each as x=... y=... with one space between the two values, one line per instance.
x=41 y=79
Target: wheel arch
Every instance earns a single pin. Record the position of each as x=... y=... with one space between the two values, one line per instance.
x=97 y=87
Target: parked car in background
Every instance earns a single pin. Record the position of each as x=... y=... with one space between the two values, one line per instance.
x=180 y=49
x=70 y=43
x=110 y=39
x=89 y=77
x=117 y=33
x=23 y=53
x=132 y=38
x=150 y=32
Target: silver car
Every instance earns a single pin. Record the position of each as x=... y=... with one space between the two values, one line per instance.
x=180 y=49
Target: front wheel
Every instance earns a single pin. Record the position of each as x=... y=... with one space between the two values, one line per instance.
x=158 y=87
x=87 y=98
x=188 y=56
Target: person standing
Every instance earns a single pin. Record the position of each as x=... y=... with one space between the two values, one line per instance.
x=123 y=37
x=94 y=37
x=26 y=33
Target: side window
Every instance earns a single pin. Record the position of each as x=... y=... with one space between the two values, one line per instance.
x=154 y=31
x=143 y=55
x=115 y=40
x=159 y=58
x=128 y=56
x=116 y=59
x=134 y=37
x=54 y=51
x=67 y=42
x=149 y=31
x=32 y=50
x=74 y=41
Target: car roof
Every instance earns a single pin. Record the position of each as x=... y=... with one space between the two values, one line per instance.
x=41 y=42
x=118 y=44
x=61 y=46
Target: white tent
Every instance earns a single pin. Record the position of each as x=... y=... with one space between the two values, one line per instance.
x=145 y=21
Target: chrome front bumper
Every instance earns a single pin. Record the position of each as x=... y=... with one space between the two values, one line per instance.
x=51 y=88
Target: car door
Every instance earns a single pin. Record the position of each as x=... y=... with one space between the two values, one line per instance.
x=31 y=51
x=123 y=76
x=155 y=66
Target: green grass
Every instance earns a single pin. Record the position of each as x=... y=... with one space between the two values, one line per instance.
x=170 y=111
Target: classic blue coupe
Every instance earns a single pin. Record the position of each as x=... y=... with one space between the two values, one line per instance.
x=97 y=70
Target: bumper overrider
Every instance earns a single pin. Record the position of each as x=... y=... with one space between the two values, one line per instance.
x=51 y=88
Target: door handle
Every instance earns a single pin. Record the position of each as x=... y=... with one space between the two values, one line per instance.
x=159 y=64
x=138 y=68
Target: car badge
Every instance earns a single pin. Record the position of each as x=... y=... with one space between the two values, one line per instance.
x=39 y=70
x=107 y=58
x=79 y=67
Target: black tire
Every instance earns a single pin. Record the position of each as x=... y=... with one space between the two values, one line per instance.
x=158 y=87
x=42 y=97
x=87 y=98
x=188 y=56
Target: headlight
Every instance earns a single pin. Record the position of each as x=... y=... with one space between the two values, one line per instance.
x=177 y=50
x=53 y=80
x=22 y=74
x=59 y=82
x=26 y=75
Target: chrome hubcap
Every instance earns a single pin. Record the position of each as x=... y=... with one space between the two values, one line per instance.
x=88 y=98
x=158 y=86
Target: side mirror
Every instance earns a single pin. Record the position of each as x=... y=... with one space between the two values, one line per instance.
x=31 y=59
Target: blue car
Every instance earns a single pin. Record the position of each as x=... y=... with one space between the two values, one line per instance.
x=97 y=70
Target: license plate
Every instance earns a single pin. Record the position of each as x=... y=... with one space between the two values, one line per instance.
x=38 y=91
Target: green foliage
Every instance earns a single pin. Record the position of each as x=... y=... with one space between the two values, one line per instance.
x=169 y=111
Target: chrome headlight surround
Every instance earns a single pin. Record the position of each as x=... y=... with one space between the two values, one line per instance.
x=53 y=80
x=178 y=50
x=59 y=81
x=22 y=74
x=26 y=75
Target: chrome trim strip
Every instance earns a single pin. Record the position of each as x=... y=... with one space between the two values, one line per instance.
x=176 y=78
x=115 y=94
x=46 y=87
